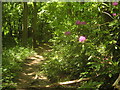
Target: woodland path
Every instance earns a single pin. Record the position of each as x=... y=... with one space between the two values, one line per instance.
x=31 y=77
x=31 y=74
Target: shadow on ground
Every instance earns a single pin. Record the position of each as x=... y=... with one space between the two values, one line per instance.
x=31 y=74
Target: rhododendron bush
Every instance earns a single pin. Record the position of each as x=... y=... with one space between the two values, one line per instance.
x=86 y=42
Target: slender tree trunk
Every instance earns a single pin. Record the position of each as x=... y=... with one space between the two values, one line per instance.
x=19 y=29
x=10 y=27
x=24 y=25
x=34 y=25
x=0 y=43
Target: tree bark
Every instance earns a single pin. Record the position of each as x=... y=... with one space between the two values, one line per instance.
x=24 y=25
x=34 y=25
x=0 y=43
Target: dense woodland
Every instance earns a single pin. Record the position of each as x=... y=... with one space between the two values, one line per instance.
x=84 y=38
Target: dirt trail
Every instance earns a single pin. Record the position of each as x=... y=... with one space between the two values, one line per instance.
x=31 y=74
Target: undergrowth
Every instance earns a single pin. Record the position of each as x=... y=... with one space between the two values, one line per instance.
x=12 y=59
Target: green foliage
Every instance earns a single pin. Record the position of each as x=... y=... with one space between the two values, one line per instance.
x=90 y=84
x=92 y=58
x=11 y=64
x=98 y=56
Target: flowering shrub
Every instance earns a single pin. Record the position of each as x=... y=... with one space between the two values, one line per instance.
x=78 y=22
x=67 y=33
x=82 y=23
x=114 y=14
x=94 y=58
x=82 y=39
x=115 y=3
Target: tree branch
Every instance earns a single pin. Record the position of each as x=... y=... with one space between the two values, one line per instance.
x=116 y=83
x=68 y=82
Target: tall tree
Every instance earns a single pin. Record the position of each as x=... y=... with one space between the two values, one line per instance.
x=0 y=43
x=24 y=26
x=34 y=24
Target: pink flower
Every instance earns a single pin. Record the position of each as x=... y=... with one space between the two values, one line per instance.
x=78 y=22
x=114 y=14
x=83 y=23
x=82 y=39
x=67 y=33
x=115 y=3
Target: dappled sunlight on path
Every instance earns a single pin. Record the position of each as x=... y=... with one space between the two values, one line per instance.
x=31 y=77
x=35 y=60
x=31 y=73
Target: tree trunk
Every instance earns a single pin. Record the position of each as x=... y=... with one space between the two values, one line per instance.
x=19 y=29
x=10 y=27
x=34 y=25
x=0 y=43
x=24 y=25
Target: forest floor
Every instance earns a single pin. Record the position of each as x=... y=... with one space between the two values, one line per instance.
x=31 y=77
x=31 y=74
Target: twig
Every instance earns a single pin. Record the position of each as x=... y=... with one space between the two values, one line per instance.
x=73 y=81
x=116 y=83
